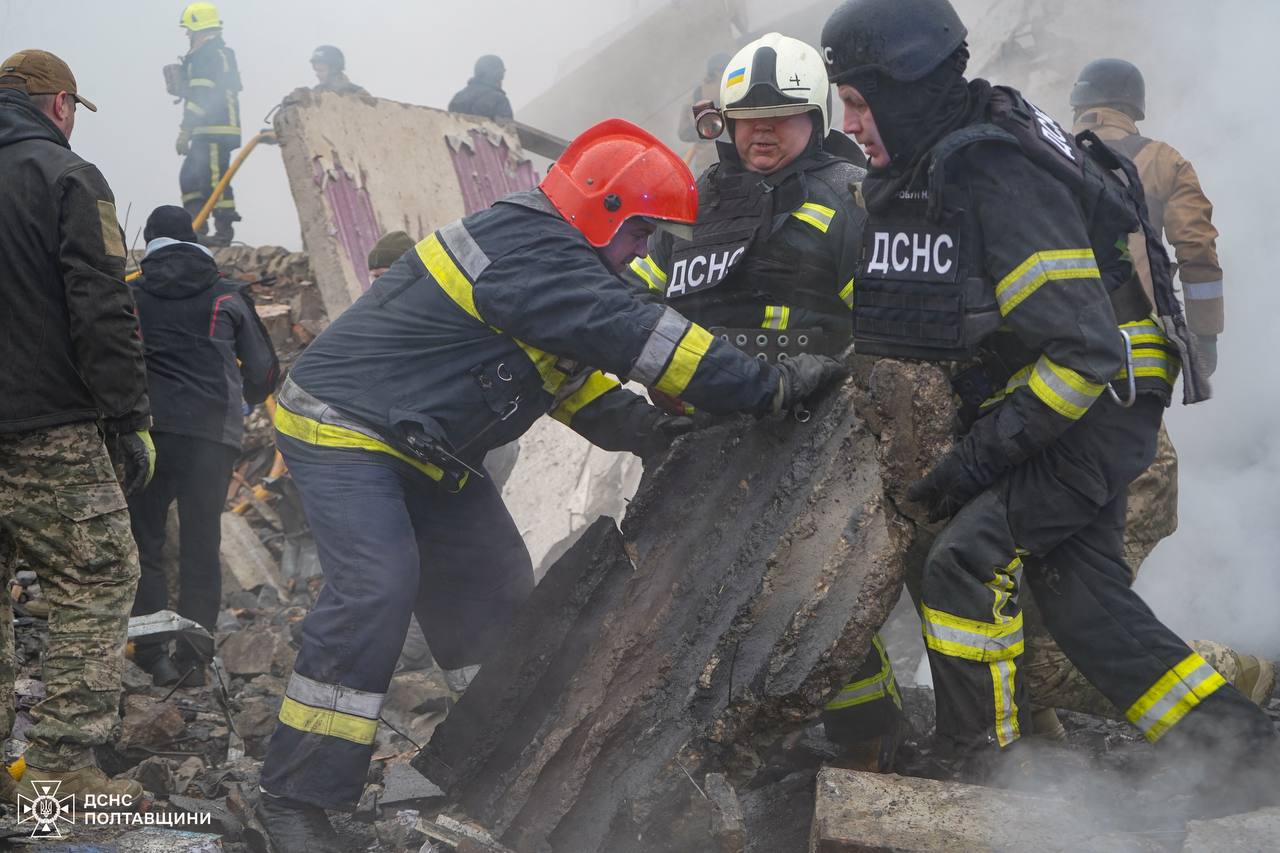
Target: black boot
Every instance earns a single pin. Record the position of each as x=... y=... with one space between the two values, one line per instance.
x=157 y=663
x=189 y=664
x=297 y=827
x=223 y=231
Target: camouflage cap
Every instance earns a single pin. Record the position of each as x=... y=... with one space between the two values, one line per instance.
x=42 y=73
x=388 y=249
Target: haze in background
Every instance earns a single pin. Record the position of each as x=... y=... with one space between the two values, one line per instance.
x=407 y=50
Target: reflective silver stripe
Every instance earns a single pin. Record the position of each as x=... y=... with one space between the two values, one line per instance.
x=334 y=697
x=877 y=688
x=1181 y=691
x=294 y=398
x=465 y=249
x=657 y=351
x=1203 y=289
x=1074 y=398
x=980 y=642
x=1010 y=293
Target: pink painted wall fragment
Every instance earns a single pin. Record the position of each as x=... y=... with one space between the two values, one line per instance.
x=487 y=172
x=354 y=223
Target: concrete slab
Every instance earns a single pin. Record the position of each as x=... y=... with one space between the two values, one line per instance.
x=1242 y=833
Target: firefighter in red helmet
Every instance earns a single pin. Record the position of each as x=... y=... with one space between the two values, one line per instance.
x=473 y=334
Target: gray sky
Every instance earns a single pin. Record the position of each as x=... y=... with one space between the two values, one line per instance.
x=415 y=51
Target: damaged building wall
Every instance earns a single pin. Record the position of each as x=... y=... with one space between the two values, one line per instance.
x=754 y=568
x=359 y=167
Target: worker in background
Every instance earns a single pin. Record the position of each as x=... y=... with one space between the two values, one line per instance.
x=387 y=251
x=73 y=425
x=483 y=95
x=973 y=190
x=702 y=152
x=208 y=81
x=489 y=323
x=772 y=259
x=330 y=67
x=1109 y=98
x=207 y=355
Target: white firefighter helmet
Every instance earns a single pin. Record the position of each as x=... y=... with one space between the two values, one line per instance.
x=776 y=75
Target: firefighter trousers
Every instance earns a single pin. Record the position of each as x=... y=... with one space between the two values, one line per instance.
x=392 y=543
x=206 y=162
x=869 y=705
x=1058 y=521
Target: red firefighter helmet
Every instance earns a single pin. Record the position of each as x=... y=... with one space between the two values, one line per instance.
x=614 y=171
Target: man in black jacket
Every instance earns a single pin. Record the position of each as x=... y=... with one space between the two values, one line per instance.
x=73 y=375
x=195 y=326
x=483 y=95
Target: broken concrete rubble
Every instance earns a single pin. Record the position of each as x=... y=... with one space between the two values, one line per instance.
x=754 y=568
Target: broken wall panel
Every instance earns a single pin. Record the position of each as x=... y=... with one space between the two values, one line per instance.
x=359 y=167
x=762 y=567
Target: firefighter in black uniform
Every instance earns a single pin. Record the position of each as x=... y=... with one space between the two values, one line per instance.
x=770 y=267
x=486 y=325
x=992 y=245
x=208 y=82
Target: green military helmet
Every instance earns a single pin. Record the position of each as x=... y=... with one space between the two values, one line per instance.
x=1111 y=82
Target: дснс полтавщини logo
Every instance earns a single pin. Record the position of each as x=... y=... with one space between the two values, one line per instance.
x=46 y=809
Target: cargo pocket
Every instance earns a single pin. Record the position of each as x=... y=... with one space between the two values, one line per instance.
x=95 y=524
x=1056 y=502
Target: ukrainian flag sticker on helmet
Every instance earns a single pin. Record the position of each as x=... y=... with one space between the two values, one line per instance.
x=736 y=77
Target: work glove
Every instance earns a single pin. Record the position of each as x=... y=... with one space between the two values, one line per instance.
x=803 y=376
x=655 y=437
x=133 y=455
x=977 y=461
x=945 y=489
x=183 y=144
x=1209 y=353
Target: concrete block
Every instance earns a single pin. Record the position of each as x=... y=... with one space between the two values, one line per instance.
x=1242 y=833
x=246 y=562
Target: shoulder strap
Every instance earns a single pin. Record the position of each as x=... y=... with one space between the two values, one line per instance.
x=950 y=145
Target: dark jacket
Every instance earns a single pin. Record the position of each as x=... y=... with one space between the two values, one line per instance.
x=482 y=98
x=499 y=318
x=797 y=272
x=68 y=335
x=211 y=83
x=195 y=325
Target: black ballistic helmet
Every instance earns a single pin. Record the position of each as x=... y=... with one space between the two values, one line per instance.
x=1104 y=82
x=327 y=54
x=902 y=39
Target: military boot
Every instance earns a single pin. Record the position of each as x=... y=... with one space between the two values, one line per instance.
x=8 y=788
x=223 y=231
x=297 y=826
x=1045 y=724
x=1257 y=678
x=102 y=792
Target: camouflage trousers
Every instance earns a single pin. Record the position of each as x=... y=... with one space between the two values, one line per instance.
x=1052 y=680
x=62 y=514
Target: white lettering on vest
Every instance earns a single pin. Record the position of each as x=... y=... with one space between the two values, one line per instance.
x=938 y=266
x=693 y=262
x=1053 y=134
x=920 y=251
x=904 y=241
x=676 y=287
x=880 y=254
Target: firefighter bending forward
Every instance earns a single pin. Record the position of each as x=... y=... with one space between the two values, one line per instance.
x=481 y=328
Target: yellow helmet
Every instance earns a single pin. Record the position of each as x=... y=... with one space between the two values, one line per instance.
x=200 y=16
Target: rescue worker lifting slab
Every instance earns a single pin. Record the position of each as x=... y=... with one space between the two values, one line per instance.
x=771 y=260
x=208 y=82
x=487 y=324
x=995 y=244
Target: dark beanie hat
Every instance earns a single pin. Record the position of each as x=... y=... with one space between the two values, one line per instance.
x=170 y=221
x=388 y=249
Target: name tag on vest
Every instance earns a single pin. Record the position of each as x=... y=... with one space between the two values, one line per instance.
x=912 y=253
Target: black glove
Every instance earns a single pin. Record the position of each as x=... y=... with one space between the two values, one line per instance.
x=979 y=459
x=945 y=489
x=133 y=455
x=655 y=437
x=803 y=376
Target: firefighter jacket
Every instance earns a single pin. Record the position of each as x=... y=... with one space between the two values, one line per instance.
x=1007 y=264
x=207 y=352
x=211 y=93
x=768 y=251
x=491 y=322
x=1175 y=203
x=68 y=335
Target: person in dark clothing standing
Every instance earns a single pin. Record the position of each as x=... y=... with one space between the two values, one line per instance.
x=208 y=81
x=483 y=95
x=195 y=325
x=330 y=67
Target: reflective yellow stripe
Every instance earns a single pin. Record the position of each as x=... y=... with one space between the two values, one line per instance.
x=193 y=196
x=201 y=82
x=329 y=435
x=869 y=689
x=816 y=215
x=448 y=275
x=215 y=170
x=196 y=108
x=1176 y=693
x=1006 y=716
x=216 y=129
x=1031 y=274
x=776 y=317
x=970 y=639
x=1062 y=389
x=685 y=360
x=318 y=721
x=552 y=376
x=846 y=294
x=597 y=384
x=650 y=272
